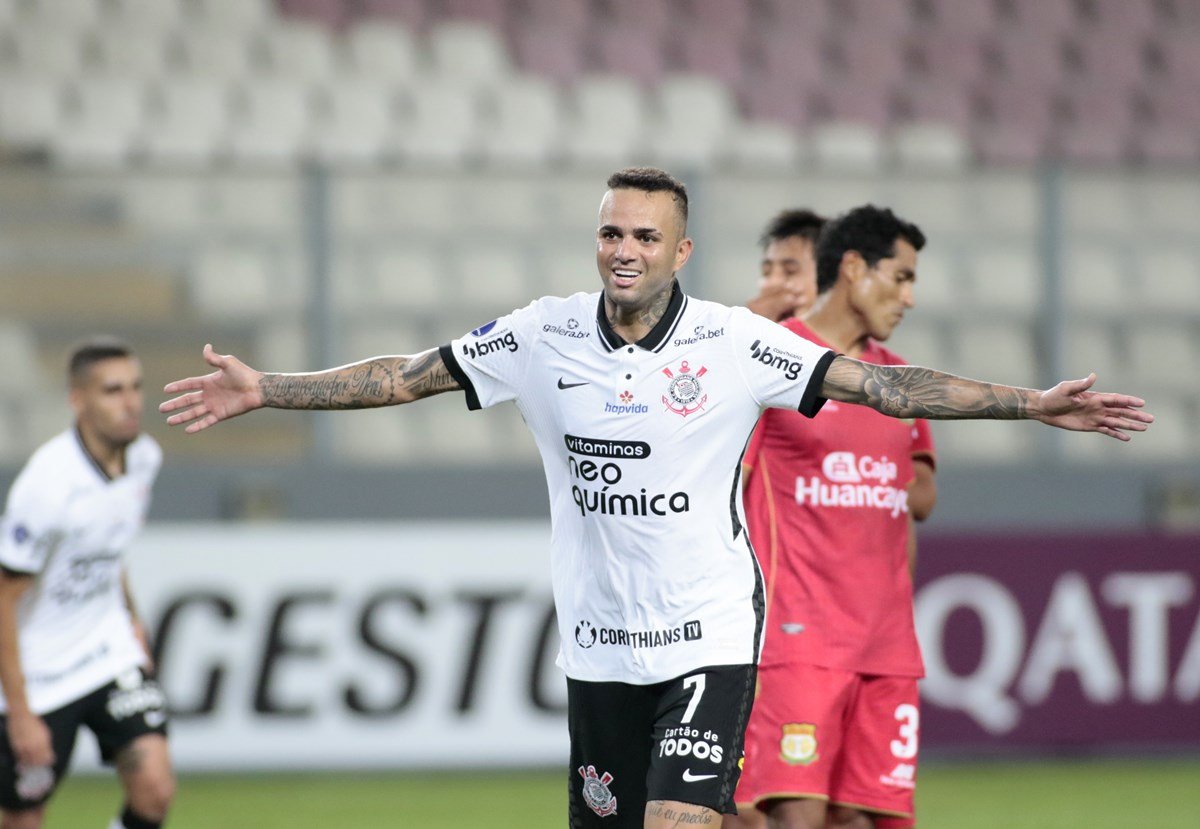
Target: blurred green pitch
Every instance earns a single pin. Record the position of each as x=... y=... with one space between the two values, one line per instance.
x=1043 y=794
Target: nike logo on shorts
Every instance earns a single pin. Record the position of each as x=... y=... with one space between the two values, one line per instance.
x=563 y=385
x=688 y=777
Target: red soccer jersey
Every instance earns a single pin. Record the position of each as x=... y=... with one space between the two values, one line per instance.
x=827 y=512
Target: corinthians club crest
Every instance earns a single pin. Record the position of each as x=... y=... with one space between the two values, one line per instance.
x=684 y=394
x=596 y=793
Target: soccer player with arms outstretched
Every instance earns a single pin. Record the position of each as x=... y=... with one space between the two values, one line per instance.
x=641 y=400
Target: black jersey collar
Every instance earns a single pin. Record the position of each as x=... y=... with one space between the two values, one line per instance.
x=91 y=459
x=658 y=335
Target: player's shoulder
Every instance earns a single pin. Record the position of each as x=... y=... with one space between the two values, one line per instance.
x=143 y=455
x=43 y=474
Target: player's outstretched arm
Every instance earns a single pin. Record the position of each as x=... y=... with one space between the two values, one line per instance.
x=913 y=391
x=235 y=388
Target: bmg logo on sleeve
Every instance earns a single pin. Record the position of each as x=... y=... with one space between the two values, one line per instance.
x=777 y=359
x=506 y=341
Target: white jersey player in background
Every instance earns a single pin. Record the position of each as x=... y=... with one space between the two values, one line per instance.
x=72 y=651
x=641 y=400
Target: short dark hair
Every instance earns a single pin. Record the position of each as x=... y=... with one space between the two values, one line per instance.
x=652 y=180
x=799 y=222
x=871 y=231
x=92 y=351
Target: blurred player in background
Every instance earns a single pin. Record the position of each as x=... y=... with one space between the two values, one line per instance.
x=788 y=285
x=72 y=650
x=833 y=737
x=641 y=400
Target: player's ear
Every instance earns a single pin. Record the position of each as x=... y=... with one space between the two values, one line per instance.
x=853 y=267
x=683 y=252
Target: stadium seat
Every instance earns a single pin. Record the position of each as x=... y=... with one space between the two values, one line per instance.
x=1095 y=346
x=42 y=50
x=235 y=15
x=1095 y=280
x=187 y=123
x=1098 y=201
x=995 y=351
x=334 y=15
x=493 y=278
x=30 y=110
x=948 y=59
x=405 y=277
x=215 y=54
x=846 y=145
x=244 y=282
x=69 y=15
x=929 y=146
x=1030 y=58
x=999 y=442
x=734 y=17
x=160 y=15
x=593 y=135
x=765 y=145
x=631 y=49
x=695 y=117
x=18 y=353
x=469 y=53
x=103 y=124
x=858 y=101
x=1121 y=18
x=868 y=61
x=1178 y=57
x=526 y=124
x=492 y=13
x=1050 y=16
x=960 y=17
x=941 y=284
x=272 y=122
x=1168 y=278
x=299 y=51
x=1007 y=279
x=413 y=14
x=796 y=18
x=711 y=51
x=1157 y=349
x=139 y=57
x=444 y=129
x=777 y=100
x=1115 y=62
x=570 y=17
x=918 y=342
x=549 y=51
x=356 y=123
x=628 y=14
x=949 y=103
x=383 y=51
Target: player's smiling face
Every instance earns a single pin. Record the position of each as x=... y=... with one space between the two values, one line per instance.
x=640 y=244
x=108 y=401
x=884 y=292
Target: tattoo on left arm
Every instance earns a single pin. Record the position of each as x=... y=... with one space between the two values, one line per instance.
x=913 y=391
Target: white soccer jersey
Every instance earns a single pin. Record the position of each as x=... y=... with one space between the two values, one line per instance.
x=67 y=523
x=652 y=570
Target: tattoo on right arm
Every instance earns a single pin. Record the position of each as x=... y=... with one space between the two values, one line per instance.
x=380 y=381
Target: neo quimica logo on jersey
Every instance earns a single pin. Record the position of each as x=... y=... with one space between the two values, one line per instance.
x=790 y=364
x=598 y=486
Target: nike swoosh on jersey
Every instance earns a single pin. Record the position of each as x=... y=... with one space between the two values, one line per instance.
x=688 y=777
x=563 y=385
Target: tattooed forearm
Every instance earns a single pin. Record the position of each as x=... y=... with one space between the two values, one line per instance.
x=426 y=374
x=912 y=391
x=381 y=381
x=685 y=815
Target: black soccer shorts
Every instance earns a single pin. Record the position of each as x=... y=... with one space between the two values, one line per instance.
x=117 y=713
x=675 y=740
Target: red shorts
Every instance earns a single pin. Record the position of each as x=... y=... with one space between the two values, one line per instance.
x=833 y=735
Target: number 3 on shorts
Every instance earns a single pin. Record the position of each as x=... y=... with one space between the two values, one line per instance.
x=698 y=682
x=909 y=717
